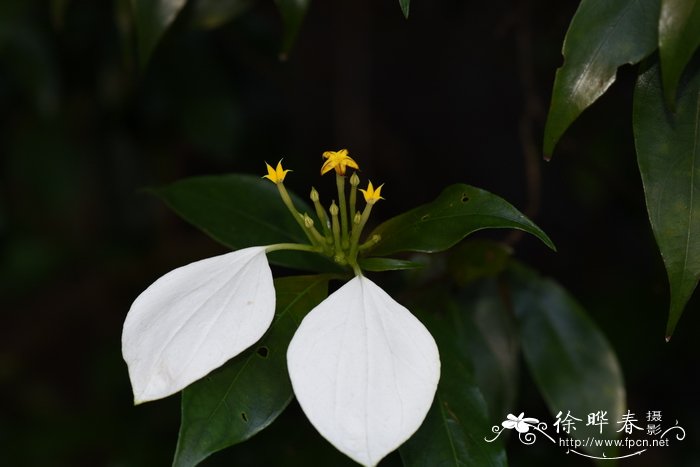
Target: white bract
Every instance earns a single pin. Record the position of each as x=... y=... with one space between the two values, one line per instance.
x=364 y=370
x=195 y=318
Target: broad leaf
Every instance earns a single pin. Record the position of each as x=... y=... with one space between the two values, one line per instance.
x=211 y=14
x=250 y=391
x=489 y=334
x=453 y=432
x=603 y=35
x=153 y=17
x=668 y=153
x=405 y=7
x=679 y=37
x=293 y=12
x=240 y=211
x=458 y=211
x=570 y=360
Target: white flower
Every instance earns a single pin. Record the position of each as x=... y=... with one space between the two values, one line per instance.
x=364 y=370
x=195 y=318
x=522 y=425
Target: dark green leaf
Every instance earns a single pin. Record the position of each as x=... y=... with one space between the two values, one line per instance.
x=405 y=6
x=210 y=14
x=679 y=37
x=241 y=211
x=454 y=429
x=293 y=12
x=458 y=211
x=387 y=264
x=488 y=331
x=668 y=153
x=570 y=360
x=603 y=35
x=245 y=395
x=153 y=17
x=477 y=258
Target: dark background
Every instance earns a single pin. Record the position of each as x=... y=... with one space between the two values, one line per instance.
x=457 y=93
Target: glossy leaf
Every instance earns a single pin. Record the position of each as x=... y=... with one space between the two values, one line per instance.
x=293 y=12
x=405 y=7
x=210 y=14
x=250 y=391
x=458 y=211
x=668 y=154
x=454 y=429
x=240 y=211
x=572 y=363
x=603 y=35
x=387 y=264
x=679 y=37
x=153 y=17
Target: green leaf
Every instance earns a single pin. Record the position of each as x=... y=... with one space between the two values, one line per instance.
x=477 y=258
x=210 y=14
x=571 y=362
x=293 y=12
x=454 y=429
x=241 y=211
x=387 y=264
x=244 y=396
x=668 y=154
x=679 y=37
x=458 y=211
x=153 y=17
x=405 y=6
x=488 y=331
x=603 y=35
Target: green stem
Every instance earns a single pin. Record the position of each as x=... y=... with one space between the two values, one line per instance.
x=296 y=214
x=357 y=230
x=340 y=183
x=292 y=246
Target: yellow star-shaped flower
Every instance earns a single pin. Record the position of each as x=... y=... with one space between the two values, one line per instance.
x=338 y=160
x=371 y=195
x=276 y=175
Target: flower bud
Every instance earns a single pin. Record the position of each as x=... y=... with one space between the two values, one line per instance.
x=333 y=209
x=354 y=179
x=314 y=195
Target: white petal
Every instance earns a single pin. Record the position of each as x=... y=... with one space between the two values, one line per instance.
x=364 y=370
x=195 y=318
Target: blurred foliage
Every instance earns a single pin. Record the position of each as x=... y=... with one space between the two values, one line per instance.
x=441 y=98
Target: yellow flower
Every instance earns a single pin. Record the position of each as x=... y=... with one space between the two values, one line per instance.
x=338 y=160
x=372 y=195
x=276 y=175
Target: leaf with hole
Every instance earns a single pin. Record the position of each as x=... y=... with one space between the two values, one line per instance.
x=603 y=35
x=244 y=396
x=572 y=363
x=668 y=154
x=240 y=211
x=458 y=211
